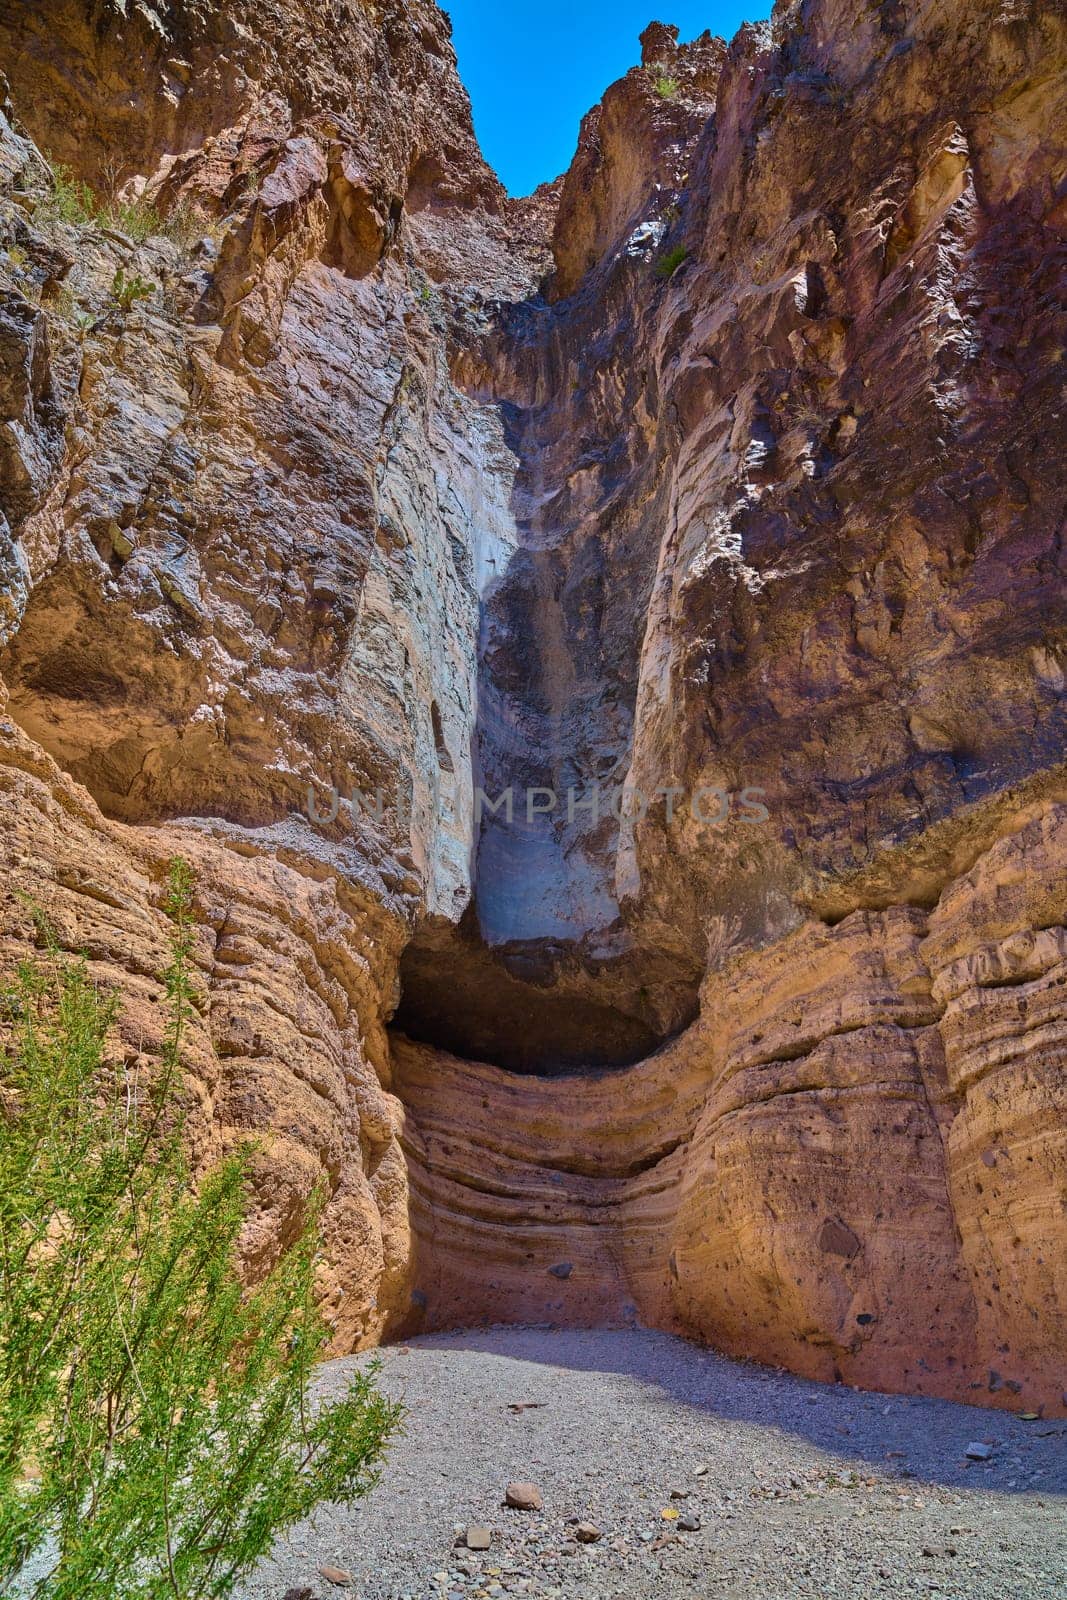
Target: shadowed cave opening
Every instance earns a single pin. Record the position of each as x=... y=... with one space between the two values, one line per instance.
x=546 y=1008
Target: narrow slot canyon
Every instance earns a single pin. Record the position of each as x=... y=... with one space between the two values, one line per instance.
x=725 y=473
x=533 y=739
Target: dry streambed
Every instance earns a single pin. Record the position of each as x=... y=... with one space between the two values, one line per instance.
x=664 y=1470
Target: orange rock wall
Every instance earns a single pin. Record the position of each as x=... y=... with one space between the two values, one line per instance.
x=853 y=1166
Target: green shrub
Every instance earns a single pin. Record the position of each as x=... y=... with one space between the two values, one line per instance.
x=125 y=291
x=156 y=1431
x=669 y=262
x=138 y=219
x=74 y=201
x=665 y=86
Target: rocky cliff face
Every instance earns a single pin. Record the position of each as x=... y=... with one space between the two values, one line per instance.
x=725 y=475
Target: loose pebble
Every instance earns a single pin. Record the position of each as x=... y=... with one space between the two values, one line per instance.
x=336 y=1575
x=523 y=1496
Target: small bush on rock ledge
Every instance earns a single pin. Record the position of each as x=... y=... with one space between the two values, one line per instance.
x=669 y=262
x=156 y=1427
x=126 y=291
x=666 y=87
x=74 y=201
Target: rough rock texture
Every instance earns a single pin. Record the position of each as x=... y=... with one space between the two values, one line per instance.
x=852 y=1164
x=253 y=517
x=288 y=1045
x=733 y=461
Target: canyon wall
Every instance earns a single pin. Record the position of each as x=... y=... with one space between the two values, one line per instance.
x=729 y=465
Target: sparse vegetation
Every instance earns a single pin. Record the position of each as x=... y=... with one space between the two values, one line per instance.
x=63 y=302
x=669 y=262
x=126 y=291
x=16 y=257
x=65 y=305
x=138 y=219
x=74 y=201
x=71 y=200
x=156 y=1426
x=665 y=86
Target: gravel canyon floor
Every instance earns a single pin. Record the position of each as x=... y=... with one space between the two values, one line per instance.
x=797 y=1488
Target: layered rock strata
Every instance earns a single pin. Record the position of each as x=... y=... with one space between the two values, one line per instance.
x=851 y=1164
x=730 y=463
x=246 y=520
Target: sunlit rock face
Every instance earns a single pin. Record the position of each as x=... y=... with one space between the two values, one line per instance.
x=249 y=518
x=715 y=492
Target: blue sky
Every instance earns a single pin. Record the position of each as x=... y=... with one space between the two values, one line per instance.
x=534 y=67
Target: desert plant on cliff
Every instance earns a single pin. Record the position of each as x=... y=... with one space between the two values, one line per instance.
x=126 y=291
x=73 y=200
x=156 y=1428
x=668 y=263
x=139 y=219
x=665 y=86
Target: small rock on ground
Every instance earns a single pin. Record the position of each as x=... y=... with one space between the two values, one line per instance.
x=336 y=1575
x=523 y=1497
